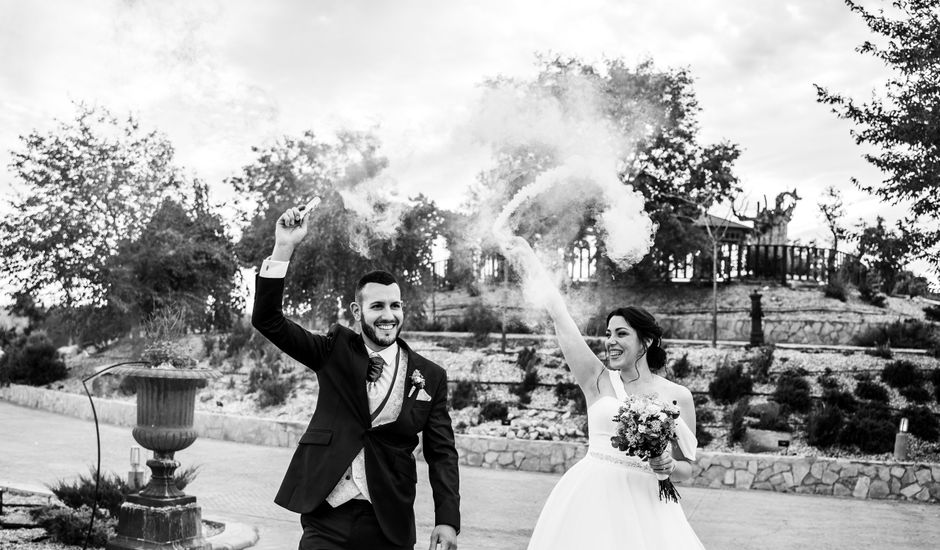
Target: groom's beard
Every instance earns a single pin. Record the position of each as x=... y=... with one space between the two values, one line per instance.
x=370 y=332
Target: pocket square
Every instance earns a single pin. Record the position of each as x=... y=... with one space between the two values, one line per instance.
x=423 y=396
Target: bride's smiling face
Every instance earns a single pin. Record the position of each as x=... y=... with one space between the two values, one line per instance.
x=623 y=344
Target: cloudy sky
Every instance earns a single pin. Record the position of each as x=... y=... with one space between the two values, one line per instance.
x=220 y=76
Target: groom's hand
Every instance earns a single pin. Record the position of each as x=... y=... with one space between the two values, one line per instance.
x=291 y=228
x=445 y=536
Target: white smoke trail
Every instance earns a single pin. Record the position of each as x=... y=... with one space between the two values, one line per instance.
x=586 y=150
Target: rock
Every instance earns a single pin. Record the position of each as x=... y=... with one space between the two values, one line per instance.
x=800 y=469
x=911 y=490
x=878 y=489
x=861 y=487
x=923 y=476
x=840 y=490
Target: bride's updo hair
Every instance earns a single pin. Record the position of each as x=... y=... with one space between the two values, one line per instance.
x=646 y=328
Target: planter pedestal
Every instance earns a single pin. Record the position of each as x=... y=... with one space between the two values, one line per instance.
x=161 y=516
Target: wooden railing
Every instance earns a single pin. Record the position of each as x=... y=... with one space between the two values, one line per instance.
x=750 y=262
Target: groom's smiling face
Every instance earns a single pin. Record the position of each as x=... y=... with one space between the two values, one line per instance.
x=378 y=309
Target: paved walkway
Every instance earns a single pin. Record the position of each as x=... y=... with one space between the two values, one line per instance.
x=500 y=507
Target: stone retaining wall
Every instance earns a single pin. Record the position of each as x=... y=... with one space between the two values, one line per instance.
x=796 y=474
x=776 y=330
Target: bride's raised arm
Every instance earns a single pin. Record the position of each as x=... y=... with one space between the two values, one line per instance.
x=583 y=362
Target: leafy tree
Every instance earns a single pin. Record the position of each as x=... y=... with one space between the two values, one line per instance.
x=324 y=267
x=183 y=259
x=885 y=251
x=327 y=264
x=656 y=113
x=902 y=123
x=84 y=187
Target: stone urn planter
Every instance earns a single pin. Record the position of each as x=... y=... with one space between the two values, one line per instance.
x=160 y=515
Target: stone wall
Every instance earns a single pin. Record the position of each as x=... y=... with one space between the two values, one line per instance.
x=770 y=472
x=776 y=329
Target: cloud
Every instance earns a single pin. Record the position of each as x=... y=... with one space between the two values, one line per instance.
x=221 y=76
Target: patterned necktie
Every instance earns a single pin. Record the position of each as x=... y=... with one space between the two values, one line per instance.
x=376 y=364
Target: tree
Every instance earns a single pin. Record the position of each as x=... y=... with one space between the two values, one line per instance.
x=885 y=251
x=655 y=112
x=902 y=123
x=85 y=187
x=289 y=173
x=183 y=260
x=328 y=263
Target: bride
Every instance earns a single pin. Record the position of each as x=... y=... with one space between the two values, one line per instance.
x=609 y=500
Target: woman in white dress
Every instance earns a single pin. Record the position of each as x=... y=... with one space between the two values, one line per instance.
x=609 y=500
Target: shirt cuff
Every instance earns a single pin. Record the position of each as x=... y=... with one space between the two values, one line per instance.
x=273 y=269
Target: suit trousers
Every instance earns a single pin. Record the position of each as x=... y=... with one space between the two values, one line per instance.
x=350 y=526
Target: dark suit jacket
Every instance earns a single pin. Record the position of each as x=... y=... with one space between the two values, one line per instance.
x=340 y=426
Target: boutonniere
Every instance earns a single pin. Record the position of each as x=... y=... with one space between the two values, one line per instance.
x=417 y=382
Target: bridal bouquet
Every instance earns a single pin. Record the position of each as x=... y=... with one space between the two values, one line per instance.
x=645 y=426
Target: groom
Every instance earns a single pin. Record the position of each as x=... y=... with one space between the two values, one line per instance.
x=352 y=477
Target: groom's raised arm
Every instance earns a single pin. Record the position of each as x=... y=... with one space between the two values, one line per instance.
x=267 y=315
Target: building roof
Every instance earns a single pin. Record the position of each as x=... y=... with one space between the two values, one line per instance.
x=716 y=221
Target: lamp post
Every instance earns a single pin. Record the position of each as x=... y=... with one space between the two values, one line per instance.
x=901 y=441
x=135 y=477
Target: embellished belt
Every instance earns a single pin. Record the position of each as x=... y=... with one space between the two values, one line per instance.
x=628 y=461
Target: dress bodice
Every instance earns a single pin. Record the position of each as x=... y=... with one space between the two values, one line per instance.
x=601 y=426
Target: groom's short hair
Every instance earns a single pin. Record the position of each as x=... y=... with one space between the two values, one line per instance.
x=378 y=276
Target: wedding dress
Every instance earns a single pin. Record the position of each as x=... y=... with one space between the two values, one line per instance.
x=609 y=500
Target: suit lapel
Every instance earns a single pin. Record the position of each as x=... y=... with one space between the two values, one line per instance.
x=359 y=365
x=409 y=399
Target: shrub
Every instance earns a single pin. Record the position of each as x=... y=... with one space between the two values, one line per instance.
x=772 y=417
x=528 y=361
x=463 y=395
x=480 y=320
x=736 y=420
x=826 y=380
x=881 y=350
x=921 y=422
x=517 y=326
x=870 y=429
x=568 y=393
x=872 y=391
x=70 y=526
x=908 y=333
x=266 y=379
x=934 y=377
x=730 y=384
x=111 y=491
x=901 y=374
x=824 y=426
x=761 y=362
x=32 y=360
x=493 y=410
x=238 y=337
x=836 y=288
x=932 y=313
x=681 y=366
x=840 y=399
x=792 y=391
x=530 y=381
x=703 y=436
x=915 y=394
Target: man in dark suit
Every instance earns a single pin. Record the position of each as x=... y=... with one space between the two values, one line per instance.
x=352 y=477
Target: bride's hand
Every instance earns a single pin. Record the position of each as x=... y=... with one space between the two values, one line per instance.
x=663 y=464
